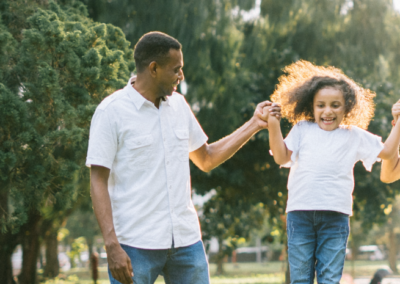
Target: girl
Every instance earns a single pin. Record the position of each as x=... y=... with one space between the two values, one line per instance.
x=329 y=112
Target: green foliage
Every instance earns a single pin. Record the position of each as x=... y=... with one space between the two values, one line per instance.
x=56 y=65
x=79 y=245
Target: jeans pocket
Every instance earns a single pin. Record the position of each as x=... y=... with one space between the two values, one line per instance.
x=289 y=230
x=344 y=235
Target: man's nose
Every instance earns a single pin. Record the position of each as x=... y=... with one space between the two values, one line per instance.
x=181 y=77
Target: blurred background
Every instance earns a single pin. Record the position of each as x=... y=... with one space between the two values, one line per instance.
x=59 y=59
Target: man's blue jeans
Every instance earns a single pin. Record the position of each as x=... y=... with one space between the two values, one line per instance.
x=182 y=265
x=317 y=243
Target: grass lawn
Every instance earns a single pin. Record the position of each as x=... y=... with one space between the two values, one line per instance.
x=241 y=273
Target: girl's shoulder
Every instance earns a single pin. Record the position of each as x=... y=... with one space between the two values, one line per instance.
x=357 y=131
x=305 y=124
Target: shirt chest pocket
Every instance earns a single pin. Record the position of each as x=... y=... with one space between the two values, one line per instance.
x=139 y=151
x=181 y=151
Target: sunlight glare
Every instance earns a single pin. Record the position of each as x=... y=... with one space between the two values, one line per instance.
x=396 y=5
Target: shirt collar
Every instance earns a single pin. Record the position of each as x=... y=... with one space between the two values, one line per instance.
x=170 y=102
x=139 y=100
x=136 y=97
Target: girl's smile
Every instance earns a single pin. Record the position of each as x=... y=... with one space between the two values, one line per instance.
x=329 y=108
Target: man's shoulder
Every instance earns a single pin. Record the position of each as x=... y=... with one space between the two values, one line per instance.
x=111 y=99
x=177 y=97
x=178 y=100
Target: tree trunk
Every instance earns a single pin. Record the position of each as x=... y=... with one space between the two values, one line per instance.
x=220 y=258
x=8 y=242
x=6 y=271
x=286 y=259
x=285 y=252
x=392 y=249
x=52 y=268
x=30 y=250
x=354 y=253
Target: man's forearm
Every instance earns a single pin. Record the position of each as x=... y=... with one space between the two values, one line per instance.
x=390 y=170
x=102 y=206
x=391 y=146
x=223 y=149
x=119 y=262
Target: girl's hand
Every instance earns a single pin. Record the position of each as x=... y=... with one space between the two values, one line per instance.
x=264 y=110
x=275 y=110
x=396 y=111
x=272 y=112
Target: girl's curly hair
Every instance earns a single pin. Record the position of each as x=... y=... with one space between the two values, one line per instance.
x=296 y=90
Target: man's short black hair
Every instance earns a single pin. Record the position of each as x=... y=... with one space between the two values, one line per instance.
x=154 y=46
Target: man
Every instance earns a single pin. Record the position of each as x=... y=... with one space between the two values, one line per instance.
x=141 y=139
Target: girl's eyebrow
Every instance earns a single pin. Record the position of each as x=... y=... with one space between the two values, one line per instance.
x=330 y=102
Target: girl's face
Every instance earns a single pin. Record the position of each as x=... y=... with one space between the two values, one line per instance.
x=329 y=107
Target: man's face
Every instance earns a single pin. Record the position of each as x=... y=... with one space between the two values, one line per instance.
x=170 y=74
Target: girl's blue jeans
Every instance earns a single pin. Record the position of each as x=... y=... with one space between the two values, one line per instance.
x=317 y=245
x=182 y=265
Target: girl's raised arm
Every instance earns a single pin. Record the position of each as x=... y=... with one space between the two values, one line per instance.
x=278 y=147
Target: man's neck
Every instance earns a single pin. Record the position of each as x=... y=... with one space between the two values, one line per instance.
x=145 y=88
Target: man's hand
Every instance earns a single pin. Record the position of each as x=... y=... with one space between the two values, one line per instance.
x=262 y=116
x=119 y=264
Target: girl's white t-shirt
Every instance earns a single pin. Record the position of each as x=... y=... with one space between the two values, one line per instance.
x=321 y=167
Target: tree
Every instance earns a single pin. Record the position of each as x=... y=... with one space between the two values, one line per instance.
x=64 y=64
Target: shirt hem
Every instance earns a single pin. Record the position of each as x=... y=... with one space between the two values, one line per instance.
x=370 y=162
x=102 y=163
x=198 y=145
x=350 y=213
x=162 y=247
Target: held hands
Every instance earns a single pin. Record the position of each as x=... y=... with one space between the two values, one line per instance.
x=264 y=110
x=120 y=265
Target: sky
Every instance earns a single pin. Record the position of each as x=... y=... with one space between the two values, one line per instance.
x=249 y=15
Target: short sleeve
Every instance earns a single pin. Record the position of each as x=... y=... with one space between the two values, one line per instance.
x=369 y=147
x=103 y=141
x=292 y=142
x=197 y=137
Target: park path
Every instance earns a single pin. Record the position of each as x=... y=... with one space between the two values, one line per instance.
x=386 y=280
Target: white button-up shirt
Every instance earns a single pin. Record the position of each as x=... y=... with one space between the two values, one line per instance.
x=147 y=152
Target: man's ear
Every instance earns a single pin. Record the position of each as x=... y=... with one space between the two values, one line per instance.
x=153 y=68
